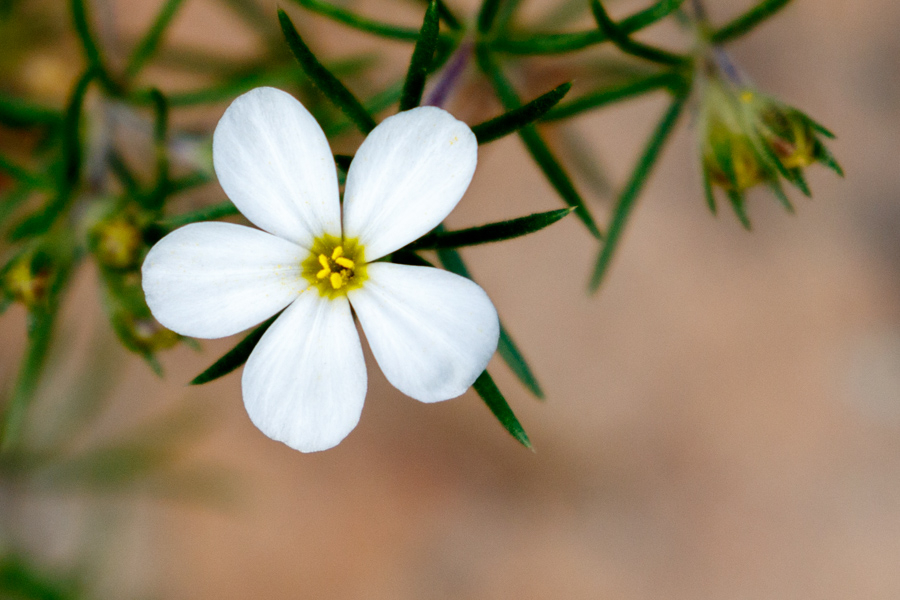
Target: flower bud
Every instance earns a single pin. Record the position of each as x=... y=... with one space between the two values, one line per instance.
x=117 y=243
x=26 y=282
x=749 y=139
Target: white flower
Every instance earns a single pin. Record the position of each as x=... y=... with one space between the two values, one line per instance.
x=431 y=332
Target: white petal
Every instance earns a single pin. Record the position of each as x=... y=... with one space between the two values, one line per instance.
x=432 y=332
x=210 y=280
x=305 y=382
x=407 y=176
x=274 y=163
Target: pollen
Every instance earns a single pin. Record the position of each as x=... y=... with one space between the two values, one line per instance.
x=335 y=266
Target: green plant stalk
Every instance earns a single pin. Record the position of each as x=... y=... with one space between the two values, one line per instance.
x=629 y=195
x=16 y=112
x=536 y=146
x=405 y=34
x=333 y=89
x=747 y=21
x=145 y=49
x=421 y=60
x=90 y=47
x=613 y=94
x=558 y=43
x=509 y=352
x=208 y=213
x=623 y=41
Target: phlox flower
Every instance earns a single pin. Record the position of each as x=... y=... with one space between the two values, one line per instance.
x=431 y=332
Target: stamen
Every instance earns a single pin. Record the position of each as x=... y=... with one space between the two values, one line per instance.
x=323 y=274
x=323 y=260
x=344 y=262
x=338 y=251
x=336 y=281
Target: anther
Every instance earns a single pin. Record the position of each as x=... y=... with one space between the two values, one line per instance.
x=338 y=251
x=323 y=274
x=344 y=262
x=336 y=281
x=323 y=260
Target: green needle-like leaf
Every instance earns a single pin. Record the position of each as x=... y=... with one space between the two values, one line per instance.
x=15 y=112
x=89 y=45
x=627 y=45
x=557 y=43
x=160 y=136
x=615 y=93
x=739 y=205
x=208 y=213
x=486 y=15
x=495 y=401
x=778 y=191
x=150 y=42
x=422 y=57
x=629 y=195
x=346 y=17
x=536 y=146
x=708 y=190
x=485 y=234
x=235 y=357
x=507 y=348
x=747 y=21
x=329 y=85
x=517 y=118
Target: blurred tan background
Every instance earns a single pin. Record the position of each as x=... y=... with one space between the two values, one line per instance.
x=722 y=419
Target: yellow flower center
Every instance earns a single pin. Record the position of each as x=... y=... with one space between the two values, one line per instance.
x=335 y=266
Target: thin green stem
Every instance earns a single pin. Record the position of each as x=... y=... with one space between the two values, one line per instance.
x=207 y=213
x=629 y=195
x=421 y=60
x=89 y=45
x=747 y=21
x=612 y=94
x=406 y=34
x=535 y=144
x=557 y=43
x=323 y=79
x=623 y=40
x=150 y=42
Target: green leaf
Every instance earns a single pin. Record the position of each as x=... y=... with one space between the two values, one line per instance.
x=346 y=17
x=329 y=85
x=708 y=190
x=536 y=146
x=150 y=42
x=157 y=196
x=615 y=93
x=21 y=174
x=495 y=401
x=739 y=205
x=824 y=156
x=71 y=130
x=747 y=21
x=635 y=184
x=510 y=354
x=22 y=581
x=778 y=191
x=507 y=348
x=557 y=43
x=486 y=15
x=90 y=47
x=623 y=40
x=422 y=57
x=235 y=357
x=15 y=112
x=517 y=118
x=485 y=234
x=207 y=213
